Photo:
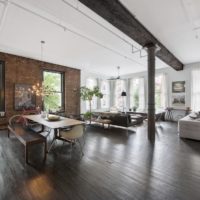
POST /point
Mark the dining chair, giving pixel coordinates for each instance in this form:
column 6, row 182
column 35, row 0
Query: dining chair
column 36, row 127
column 73, row 135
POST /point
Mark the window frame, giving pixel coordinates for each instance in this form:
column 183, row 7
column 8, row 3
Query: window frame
column 2, row 85
column 62, row 92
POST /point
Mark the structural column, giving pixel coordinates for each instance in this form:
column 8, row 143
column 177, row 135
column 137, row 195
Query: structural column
column 151, row 48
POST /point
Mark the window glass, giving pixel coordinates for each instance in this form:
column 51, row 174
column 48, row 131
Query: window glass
column 53, row 80
column 2, row 86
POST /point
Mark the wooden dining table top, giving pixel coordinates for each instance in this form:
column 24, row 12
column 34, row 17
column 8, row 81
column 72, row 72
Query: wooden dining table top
column 62, row 122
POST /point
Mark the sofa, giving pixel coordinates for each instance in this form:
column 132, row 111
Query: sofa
column 119, row 119
column 189, row 128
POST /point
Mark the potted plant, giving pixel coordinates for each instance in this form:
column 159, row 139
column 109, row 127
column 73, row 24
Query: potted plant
column 87, row 94
column 134, row 108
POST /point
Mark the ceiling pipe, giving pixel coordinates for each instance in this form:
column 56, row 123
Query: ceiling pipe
column 65, row 28
column 134, row 49
column 100, row 24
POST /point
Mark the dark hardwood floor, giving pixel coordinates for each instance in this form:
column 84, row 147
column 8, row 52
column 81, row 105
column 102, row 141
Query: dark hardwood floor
column 116, row 165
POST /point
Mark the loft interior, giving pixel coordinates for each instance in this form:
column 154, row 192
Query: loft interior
column 99, row 99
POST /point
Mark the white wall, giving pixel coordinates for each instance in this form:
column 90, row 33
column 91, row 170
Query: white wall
column 171, row 76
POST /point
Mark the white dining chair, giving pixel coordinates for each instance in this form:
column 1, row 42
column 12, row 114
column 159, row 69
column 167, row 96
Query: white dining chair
column 73, row 135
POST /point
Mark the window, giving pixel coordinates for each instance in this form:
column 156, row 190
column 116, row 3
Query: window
column 137, row 98
column 119, row 87
column 105, row 90
column 54, row 80
column 2, row 86
column 160, row 91
column 196, row 90
column 91, row 83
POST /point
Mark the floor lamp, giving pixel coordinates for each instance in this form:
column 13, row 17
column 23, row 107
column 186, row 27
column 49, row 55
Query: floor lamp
column 123, row 94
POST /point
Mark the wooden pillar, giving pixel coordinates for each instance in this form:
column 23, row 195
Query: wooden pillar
column 151, row 48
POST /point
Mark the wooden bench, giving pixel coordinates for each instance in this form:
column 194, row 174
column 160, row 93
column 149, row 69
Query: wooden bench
column 26, row 137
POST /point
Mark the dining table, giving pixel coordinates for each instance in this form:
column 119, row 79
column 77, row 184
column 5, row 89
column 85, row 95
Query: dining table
column 61, row 122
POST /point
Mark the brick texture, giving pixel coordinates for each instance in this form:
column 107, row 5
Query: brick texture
column 29, row 71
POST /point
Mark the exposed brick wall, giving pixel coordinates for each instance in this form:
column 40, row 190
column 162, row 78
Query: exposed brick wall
column 24, row 70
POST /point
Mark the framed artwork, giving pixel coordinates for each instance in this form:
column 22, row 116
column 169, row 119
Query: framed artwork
column 178, row 87
column 178, row 99
column 24, row 99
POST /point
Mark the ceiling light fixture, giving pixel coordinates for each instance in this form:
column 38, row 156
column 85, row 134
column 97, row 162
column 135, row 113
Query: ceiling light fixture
column 42, row 42
column 100, row 24
column 41, row 89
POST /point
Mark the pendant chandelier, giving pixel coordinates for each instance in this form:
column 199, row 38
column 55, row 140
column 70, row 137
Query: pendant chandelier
column 41, row 89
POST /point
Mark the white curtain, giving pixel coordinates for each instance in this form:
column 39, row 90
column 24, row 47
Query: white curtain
column 137, row 97
column 105, row 89
column 120, row 85
column 141, row 94
column 160, row 91
column 196, row 90
column 163, row 91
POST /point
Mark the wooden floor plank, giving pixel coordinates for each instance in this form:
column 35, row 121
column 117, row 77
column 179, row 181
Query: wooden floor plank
column 117, row 165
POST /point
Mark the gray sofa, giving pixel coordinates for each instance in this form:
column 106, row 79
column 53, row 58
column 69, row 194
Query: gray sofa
column 120, row 119
column 189, row 128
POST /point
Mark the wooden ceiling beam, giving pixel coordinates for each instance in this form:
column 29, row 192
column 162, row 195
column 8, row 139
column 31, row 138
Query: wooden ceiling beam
column 116, row 14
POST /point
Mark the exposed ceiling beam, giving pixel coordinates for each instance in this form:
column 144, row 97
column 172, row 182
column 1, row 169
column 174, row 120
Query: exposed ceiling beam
column 116, row 14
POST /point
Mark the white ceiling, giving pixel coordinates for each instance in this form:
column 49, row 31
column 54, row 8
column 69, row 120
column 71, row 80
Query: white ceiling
column 81, row 39
column 176, row 23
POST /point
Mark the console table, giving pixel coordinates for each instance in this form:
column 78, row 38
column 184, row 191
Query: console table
column 169, row 113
